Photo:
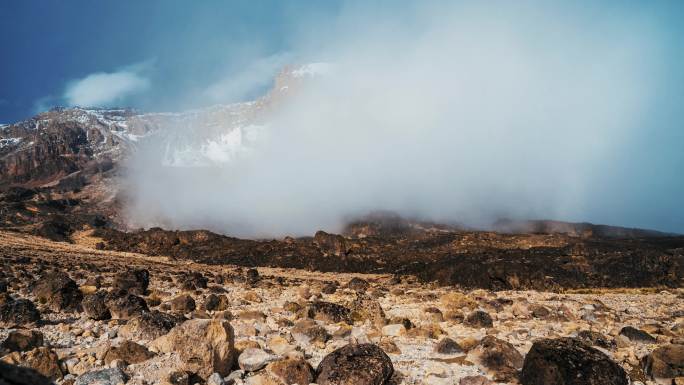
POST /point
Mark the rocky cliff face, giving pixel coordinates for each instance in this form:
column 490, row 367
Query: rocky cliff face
column 62, row 142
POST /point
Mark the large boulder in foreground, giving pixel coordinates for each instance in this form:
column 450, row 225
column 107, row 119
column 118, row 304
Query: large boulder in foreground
column 362, row 364
column 569, row 361
column 204, row 346
column 59, row 291
column 18, row 375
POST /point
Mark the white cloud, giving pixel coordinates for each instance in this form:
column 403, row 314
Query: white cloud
column 106, row 88
column 241, row 85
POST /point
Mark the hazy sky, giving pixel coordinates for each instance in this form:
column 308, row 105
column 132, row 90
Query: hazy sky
column 623, row 59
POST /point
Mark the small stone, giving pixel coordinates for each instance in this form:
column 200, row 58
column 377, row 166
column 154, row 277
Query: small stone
column 184, row 303
column 479, row 319
column 215, row 379
column 475, row 380
column 129, row 352
column 306, row 331
column 448, row 346
column 291, row 371
column 253, row 359
column 111, row 376
column 394, row 330
column 358, row 284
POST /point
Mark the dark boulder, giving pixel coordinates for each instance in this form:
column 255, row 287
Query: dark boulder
column 569, row 361
column 358, row 284
column 363, row 364
column 95, row 306
column 22, row 340
column 499, row 356
column 125, row 306
column 329, row 312
column 128, row 352
column 637, row 335
column 665, row 363
column 252, row 276
column 194, row 281
column 331, row 244
column 18, row 375
column 133, row 282
column 448, row 346
column 19, row 312
column 596, row 339
column 149, row 325
column 479, row 319
column 59, row 291
column 183, row 303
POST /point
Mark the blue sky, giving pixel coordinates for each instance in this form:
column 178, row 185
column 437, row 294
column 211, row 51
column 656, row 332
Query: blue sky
column 174, row 55
column 180, row 46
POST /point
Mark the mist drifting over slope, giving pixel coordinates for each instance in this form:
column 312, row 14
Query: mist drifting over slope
column 455, row 114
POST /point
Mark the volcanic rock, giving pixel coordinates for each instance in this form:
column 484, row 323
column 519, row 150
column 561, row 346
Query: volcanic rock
column 21, row 340
column 291, row 371
column 95, row 306
column 184, row 303
column 17, row 375
column 149, row 325
column 329, row 312
column 128, row 352
column 498, row 356
column 569, row 361
column 111, row 376
column 479, row 319
column 18, row 312
column 358, row 284
column 133, row 282
column 448, row 346
column 59, row 291
column 204, row 346
column 637, row 335
column 125, row 306
column 363, row 364
column 665, row 363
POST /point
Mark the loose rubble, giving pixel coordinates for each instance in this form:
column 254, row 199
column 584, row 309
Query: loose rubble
column 123, row 318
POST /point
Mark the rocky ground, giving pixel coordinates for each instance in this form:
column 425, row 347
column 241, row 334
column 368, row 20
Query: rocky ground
column 75, row 314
